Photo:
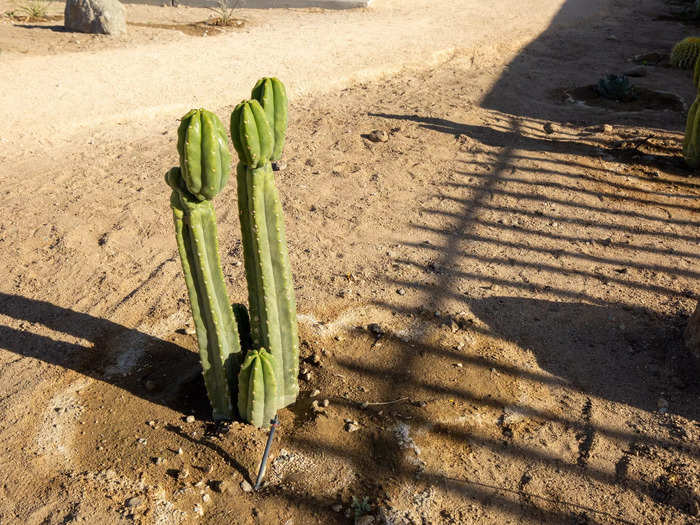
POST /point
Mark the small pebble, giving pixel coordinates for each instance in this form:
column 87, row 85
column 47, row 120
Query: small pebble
column 315, row 359
column 142, row 441
column 190, row 331
column 179, row 451
column 351, row 426
column 246, row 487
column 325, row 403
column 151, row 424
column 206, row 498
column 607, row 128
column 306, row 376
column 189, row 419
column 375, row 329
column 182, row 474
column 134, row 502
column 279, row 165
column 548, row 128
column 378, row 135
column 198, row 510
column 458, row 365
column 315, row 393
column 401, row 291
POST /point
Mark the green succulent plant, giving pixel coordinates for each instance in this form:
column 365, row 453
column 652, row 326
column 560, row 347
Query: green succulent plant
column 616, row 87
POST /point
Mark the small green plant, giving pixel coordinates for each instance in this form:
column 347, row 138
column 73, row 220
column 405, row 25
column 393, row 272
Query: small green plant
column 30, row 10
column 685, row 52
column 616, row 87
column 224, row 10
column 360, row 507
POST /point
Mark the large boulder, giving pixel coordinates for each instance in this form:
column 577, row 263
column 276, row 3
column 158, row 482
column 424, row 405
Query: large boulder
column 107, row 17
column 692, row 334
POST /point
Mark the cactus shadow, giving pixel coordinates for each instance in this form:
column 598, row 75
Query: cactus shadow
column 148, row 367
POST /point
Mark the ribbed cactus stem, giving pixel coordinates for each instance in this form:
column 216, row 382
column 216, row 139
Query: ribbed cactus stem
column 691, row 140
column 257, row 388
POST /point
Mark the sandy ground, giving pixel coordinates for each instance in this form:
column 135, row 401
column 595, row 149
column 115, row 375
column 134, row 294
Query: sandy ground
column 492, row 299
column 139, row 90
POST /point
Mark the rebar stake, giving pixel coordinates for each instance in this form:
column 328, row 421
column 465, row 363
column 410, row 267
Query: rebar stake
column 273, row 425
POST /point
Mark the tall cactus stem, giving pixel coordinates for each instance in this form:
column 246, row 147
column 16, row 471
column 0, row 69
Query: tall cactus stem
column 217, row 334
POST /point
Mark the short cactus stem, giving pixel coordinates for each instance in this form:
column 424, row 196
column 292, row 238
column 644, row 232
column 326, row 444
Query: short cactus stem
column 257, row 388
column 272, row 96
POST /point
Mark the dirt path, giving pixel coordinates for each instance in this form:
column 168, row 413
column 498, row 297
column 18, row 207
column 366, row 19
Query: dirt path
column 491, row 301
column 129, row 92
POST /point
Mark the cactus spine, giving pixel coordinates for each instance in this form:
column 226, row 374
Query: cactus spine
column 270, row 287
column 204, row 170
column 685, row 52
column 258, row 388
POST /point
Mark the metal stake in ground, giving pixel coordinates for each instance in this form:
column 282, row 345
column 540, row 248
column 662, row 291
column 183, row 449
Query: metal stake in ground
column 273, row 425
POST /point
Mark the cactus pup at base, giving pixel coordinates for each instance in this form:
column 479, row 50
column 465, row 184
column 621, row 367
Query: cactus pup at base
column 257, row 388
column 205, row 167
column 270, row 287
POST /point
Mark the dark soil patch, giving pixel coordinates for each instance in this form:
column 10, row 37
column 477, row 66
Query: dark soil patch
column 213, row 26
column 644, row 99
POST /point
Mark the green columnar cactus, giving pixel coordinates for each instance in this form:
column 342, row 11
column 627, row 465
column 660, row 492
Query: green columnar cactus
column 257, row 388
column 270, row 287
column 685, row 52
column 691, row 141
column 205, row 167
column 696, row 73
column 272, row 95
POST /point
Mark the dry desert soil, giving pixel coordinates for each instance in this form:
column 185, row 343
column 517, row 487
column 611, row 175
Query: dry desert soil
column 491, row 300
